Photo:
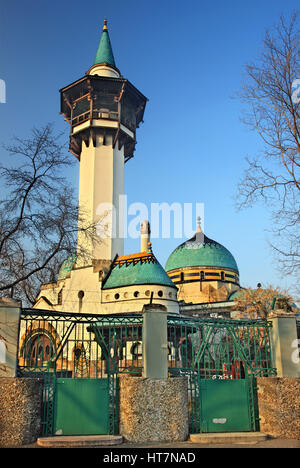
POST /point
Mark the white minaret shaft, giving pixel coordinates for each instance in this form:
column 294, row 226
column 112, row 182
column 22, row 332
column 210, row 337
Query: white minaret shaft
column 103, row 110
column 101, row 182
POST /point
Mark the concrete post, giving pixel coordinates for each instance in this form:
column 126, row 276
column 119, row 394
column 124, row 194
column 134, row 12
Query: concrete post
column 284, row 344
column 155, row 342
column 9, row 334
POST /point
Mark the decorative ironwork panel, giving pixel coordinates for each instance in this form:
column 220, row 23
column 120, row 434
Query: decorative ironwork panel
column 79, row 346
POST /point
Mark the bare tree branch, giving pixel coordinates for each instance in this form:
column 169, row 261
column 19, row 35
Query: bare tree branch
column 39, row 217
column 272, row 111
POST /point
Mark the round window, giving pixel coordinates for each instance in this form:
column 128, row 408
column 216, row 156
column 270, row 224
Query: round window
column 80, row 294
column 160, row 294
column 117, row 295
column 136, row 294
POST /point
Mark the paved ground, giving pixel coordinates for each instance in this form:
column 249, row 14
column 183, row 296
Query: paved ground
column 269, row 443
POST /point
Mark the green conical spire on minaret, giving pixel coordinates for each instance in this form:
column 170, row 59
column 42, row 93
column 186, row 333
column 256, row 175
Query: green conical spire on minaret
column 104, row 52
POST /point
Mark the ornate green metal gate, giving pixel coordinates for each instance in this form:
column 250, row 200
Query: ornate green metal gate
column 79, row 357
column 221, row 359
column 83, row 354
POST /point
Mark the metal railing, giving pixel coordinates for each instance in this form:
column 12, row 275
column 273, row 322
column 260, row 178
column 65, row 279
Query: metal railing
column 55, row 345
column 218, row 349
column 90, row 346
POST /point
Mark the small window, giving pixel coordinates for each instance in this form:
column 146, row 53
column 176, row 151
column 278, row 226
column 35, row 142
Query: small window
column 181, row 276
column 222, row 276
column 117, row 296
column 202, row 275
column 147, row 293
column 59, row 297
column 136, row 294
column 81, row 295
column 160, row 294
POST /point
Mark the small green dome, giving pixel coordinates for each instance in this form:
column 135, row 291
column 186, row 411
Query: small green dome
column 234, row 295
column 201, row 251
column 133, row 270
column 66, row 267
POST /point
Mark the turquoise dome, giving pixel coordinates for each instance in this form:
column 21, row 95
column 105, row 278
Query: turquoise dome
column 201, row 251
column 66, row 267
column 143, row 270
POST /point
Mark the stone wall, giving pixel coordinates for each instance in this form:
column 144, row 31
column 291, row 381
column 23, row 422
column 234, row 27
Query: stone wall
column 20, row 410
column 279, row 406
column 153, row 410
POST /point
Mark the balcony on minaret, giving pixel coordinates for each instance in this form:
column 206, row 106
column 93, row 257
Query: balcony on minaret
column 107, row 105
column 103, row 104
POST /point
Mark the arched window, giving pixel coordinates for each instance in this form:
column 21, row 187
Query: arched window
column 202, row 275
column 181, row 276
column 222, row 276
column 39, row 349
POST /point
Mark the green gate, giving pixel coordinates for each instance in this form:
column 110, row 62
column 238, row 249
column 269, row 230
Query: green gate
column 79, row 358
column 224, row 406
column 221, row 359
column 81, row 406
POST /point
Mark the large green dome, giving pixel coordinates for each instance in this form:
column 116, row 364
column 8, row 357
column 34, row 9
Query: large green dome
column 201, row 251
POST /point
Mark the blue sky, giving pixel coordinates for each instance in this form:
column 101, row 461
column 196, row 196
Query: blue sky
column 188, row 58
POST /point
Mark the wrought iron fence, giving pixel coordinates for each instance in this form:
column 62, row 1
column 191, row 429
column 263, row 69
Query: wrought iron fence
column 218, row 349
column 213, row 348
column 55, row 344
column 79, row 346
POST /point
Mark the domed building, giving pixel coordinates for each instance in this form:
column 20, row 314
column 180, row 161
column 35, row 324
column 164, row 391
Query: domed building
column 105, row 110
column 203, row 270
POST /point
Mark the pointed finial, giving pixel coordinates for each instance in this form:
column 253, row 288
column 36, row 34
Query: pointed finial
column 105, row 25
column 199, row 224
column 149, row 247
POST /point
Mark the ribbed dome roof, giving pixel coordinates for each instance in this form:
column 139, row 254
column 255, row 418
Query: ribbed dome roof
column 200, row 250
column 140, row 268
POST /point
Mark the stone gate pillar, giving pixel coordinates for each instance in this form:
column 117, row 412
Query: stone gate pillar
column 9, row 331
column 284, row 344
column 155, row 342
column 154, row 407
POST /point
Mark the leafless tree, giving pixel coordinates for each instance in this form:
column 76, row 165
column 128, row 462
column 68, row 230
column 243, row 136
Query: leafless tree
column 38, row 216
column 271, row 92
column 259, row 303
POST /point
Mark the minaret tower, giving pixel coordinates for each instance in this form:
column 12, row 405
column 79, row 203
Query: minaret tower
column 103, row 110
